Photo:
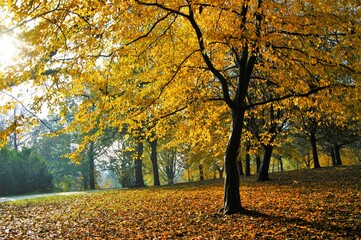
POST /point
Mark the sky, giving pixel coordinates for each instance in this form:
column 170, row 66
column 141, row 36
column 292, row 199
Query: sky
column 23, row 92
column 7, row 51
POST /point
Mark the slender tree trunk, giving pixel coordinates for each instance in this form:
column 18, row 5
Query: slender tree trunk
column 333, row 157
column 263, row 172
column 201, row 173
column 139, row 182
column 15, row 140
column 91, row 156
column 232, row 200
column 281, row 163
column 248, row 160
column 308, row 161
column 336, row 148
column 154, row 159
column 316, row 162
column 189, row 174
column 220, row 172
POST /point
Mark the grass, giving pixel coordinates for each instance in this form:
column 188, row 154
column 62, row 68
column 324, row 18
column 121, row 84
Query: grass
column 307, row 204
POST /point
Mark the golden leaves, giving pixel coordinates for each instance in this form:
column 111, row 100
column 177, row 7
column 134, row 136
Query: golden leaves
column 130, row 63
column 297, row 204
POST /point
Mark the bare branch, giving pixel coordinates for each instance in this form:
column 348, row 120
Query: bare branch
column 29, row 111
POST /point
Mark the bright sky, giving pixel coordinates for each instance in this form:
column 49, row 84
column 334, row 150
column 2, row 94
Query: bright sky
column 7, row 51
column 23, row 92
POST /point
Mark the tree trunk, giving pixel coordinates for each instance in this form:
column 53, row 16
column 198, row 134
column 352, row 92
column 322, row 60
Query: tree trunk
column 336, row 148
column 316, row 162
column 240, row 168
column 91, row 156
column 333, row 157
column 189, row 174
column 232, row 200
column 139, row 182
column 220, row 172
column 281, row 163
column 248, row 160
column 263, row 172
column 85, row 180
column 308, row 161
column 201, row 173
column 258, row 163
column 153, row 157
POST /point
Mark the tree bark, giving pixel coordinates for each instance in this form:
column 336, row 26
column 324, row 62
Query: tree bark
column 336, row 148
column 316, row 162
column 232, row 200
column 154, row 159
column 248, row 160
column 139, row 182
column 258, row 163
column 263, row 172
column 91, row 156
column 240, row 168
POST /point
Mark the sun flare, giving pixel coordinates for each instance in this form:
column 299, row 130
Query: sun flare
column 7, row 50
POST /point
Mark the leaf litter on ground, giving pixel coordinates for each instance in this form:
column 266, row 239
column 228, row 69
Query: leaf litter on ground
column 309, row 204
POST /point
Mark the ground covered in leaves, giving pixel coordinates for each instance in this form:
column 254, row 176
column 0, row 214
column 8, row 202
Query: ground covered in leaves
column 306, row 204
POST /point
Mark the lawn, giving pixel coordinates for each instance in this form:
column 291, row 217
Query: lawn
column 307, row 204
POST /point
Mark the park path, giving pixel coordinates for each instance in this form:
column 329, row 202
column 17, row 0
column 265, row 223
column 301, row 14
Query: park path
column 23, row 197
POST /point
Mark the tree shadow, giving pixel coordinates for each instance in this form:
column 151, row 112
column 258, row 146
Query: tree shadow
column 345, row 231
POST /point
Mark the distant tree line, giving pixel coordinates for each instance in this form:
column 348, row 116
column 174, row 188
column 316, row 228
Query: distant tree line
column 23, row 172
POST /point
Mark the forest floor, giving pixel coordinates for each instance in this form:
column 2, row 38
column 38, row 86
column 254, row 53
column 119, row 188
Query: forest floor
column 306, row 204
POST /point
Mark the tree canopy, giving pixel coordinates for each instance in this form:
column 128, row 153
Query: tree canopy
column 161, row 65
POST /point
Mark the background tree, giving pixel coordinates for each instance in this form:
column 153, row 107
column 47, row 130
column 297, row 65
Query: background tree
column 23, row 172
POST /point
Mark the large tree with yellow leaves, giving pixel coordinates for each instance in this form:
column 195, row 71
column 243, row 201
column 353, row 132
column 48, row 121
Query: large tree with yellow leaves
column 142, row 61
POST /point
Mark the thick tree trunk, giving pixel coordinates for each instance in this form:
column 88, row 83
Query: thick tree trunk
column 154, row 159
column 263, row 172
column 316, row 162
column 232, row 200
column 248, row 160
column 258, row 163
column 139, row 182
column 91, row 156
column 240, row 168
column 85, row 180
column 336, row 148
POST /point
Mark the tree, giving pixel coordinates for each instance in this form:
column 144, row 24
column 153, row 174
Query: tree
column 113, row 49
column 170, row 165
column 23, row 172
column 153, row 157
column 120, row 161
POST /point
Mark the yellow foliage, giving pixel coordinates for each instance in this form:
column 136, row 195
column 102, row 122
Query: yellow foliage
column 152, row 64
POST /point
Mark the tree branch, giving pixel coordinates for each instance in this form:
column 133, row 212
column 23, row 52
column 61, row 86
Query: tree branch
column 30, row 112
